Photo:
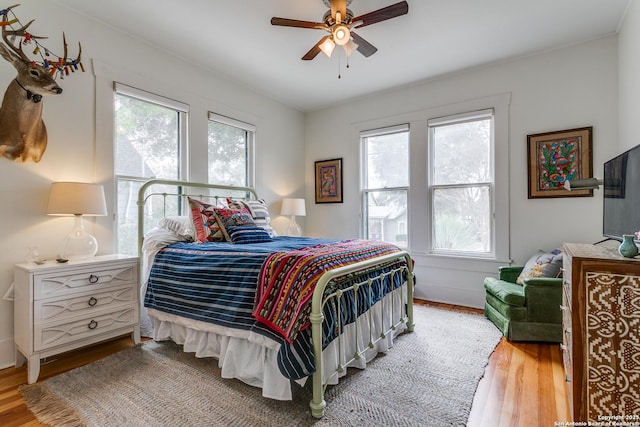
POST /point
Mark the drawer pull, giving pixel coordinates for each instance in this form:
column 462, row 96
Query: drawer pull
column 92, row 301
column 93, row 324
column 563, row 347
column 567, row 378
column 93, row 278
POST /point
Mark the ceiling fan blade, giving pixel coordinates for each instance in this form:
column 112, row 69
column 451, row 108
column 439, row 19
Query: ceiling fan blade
column 285, row 22
column 315, row 50
column 339, row 6
column 380, row 15
column 364, row 47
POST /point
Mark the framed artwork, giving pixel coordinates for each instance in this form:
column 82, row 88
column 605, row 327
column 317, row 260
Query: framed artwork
column 555, row 157
column 329, row 181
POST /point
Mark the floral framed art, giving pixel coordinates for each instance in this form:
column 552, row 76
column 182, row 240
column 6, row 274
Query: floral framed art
column 555, row 157
column 329, row 181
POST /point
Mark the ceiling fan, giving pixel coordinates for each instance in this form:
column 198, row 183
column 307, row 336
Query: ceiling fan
column 339, row 22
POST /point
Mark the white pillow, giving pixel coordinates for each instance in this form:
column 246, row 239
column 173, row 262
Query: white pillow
column 158, row 238
column 182, row 226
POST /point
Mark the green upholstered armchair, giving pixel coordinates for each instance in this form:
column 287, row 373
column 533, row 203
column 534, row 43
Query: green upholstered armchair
column 527, row 312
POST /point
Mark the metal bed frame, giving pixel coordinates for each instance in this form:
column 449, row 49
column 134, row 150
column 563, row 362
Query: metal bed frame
column 358, row 273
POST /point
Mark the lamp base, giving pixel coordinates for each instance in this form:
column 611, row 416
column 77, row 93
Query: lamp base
column 294, row 229
column 78, row 244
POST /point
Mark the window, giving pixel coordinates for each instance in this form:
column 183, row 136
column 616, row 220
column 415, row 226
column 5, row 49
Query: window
column 150, row 141
column 386, row 183
column 230, row 150
column 461, row 183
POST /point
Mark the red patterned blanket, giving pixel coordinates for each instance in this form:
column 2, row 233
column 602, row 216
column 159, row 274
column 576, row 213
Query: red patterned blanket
column 287, row 280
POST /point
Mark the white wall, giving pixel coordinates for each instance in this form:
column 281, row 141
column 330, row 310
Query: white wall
column 79, row 150
column 562, row 89
column 629, row 78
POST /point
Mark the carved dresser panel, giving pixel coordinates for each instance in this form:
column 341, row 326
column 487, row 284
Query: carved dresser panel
column 601, row 322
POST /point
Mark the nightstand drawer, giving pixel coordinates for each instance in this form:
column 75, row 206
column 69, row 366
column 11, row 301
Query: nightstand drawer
column 56, row 309
column 82, row 280
column 80, row 328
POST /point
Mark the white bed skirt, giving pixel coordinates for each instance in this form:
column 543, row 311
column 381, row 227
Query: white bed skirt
column 252, row 358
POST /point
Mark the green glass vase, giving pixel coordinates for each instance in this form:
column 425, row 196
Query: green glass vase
column 628, row 248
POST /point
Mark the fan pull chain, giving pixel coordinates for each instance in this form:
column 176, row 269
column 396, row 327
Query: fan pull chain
column 340, row 64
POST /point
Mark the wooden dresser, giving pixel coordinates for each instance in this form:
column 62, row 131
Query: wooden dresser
column 601, row 323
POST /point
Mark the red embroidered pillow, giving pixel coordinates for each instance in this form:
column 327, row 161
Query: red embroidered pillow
column 204, row 221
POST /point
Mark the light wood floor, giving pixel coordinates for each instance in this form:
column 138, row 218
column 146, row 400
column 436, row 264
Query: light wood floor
column 523, row 384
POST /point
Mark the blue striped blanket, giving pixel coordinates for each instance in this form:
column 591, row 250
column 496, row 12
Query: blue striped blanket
column 217, row 282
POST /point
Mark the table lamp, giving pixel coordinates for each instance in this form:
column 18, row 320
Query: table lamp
column 293, row 208
column 78, row 199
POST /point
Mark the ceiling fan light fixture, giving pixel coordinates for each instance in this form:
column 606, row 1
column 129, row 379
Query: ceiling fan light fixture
column 341, row 35
column 327, row 47
column 338, row 22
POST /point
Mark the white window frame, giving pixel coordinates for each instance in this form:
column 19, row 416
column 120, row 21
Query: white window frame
column 460, row 118
column 387, row 130
column 251, row 131
column 183, row 129
column 183, row 123
column 418, row 180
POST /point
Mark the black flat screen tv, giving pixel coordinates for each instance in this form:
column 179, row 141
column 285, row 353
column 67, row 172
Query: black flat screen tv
column 621, row 207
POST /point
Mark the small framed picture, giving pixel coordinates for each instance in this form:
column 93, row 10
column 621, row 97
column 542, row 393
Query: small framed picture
column 329, row 181
column 556, row 157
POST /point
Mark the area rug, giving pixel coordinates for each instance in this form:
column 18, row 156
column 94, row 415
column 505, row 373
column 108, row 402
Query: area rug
column 429, row 378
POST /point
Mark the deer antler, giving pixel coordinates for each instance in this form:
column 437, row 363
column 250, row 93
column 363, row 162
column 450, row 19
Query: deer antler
column 19, row 32
column 73, row 62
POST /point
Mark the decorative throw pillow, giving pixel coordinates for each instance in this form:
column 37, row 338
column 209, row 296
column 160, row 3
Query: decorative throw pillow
column 259, row 212
column 182, row 226
column 228, row 217
column 542, row 264
column 248, row 234
column 204, row 221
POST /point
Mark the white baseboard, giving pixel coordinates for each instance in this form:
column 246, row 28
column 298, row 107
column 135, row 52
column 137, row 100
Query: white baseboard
column 450, row 295
column 7, row 353
column 458, row 286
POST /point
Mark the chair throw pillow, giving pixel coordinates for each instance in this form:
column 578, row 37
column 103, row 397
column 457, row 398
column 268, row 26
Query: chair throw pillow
column 542, row 264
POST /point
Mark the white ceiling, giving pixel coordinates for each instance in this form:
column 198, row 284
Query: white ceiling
column 235, row 38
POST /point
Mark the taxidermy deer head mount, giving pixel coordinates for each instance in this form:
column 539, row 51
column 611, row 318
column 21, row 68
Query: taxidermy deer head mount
column 23, row 135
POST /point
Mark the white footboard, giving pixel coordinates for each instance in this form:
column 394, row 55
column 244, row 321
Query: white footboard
column 320, row 297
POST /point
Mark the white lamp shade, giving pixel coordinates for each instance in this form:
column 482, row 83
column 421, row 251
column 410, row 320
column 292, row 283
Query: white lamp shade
column 350, row 47
column 327, row 47
column 293, row 207
column 76, row 198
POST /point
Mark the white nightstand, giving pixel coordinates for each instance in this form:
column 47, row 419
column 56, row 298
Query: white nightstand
column 61, row 307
